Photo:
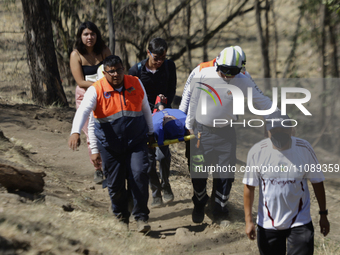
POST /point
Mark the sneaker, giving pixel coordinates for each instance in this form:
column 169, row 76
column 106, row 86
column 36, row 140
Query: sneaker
column 156, row 202
column 98, row 177
column 124, row 223
column 198, row 214
column 168, row 196
column 143, row 226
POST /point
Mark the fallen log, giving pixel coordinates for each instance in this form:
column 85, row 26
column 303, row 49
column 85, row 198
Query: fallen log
column 13, row 179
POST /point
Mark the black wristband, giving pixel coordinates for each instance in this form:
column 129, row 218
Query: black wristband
column 323, row 212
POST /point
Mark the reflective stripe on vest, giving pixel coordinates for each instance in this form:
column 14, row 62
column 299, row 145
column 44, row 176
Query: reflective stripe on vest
column 119, row 115
column 112, row 105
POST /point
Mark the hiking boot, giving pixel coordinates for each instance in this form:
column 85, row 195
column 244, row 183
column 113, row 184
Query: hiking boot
column 143, row 226
column 168, row 196
column 156, row 202
column 198, row 214
column 222, row 218
column 98, row 177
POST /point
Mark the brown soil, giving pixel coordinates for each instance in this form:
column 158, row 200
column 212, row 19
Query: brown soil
column 71, row 216
column 38, row 142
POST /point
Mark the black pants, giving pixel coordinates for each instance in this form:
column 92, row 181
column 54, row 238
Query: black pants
column 300, row 240
column 218, row 145
column 163, row 156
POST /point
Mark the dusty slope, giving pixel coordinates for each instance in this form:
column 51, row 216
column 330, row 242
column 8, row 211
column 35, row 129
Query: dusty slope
column 69, row 177
column 43, row 226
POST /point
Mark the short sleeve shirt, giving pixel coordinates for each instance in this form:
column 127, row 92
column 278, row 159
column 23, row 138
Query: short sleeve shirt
column 284, row 200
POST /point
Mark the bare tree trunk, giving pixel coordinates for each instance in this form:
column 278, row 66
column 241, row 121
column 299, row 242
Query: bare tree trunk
column 264, row 46
column 112, row 39
column 292, row 51
column 276, row 38
column 46, row 84
column 188, row 23
column 266, row 16
column 124, row 55
column 323, row 11
column 205, row 29
column 335, row 73
column 333, row 42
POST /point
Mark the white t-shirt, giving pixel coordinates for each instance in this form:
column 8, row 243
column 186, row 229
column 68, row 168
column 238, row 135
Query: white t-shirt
column 284, row 200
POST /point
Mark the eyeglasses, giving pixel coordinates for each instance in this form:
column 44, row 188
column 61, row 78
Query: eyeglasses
column 228, row 70
column 113, row 71
column 163, row 58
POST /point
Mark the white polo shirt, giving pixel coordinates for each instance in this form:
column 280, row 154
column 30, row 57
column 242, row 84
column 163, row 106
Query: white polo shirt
column 284, row 200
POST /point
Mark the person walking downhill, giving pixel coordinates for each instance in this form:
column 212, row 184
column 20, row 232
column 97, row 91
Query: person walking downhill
column 278, row 165
column 118, row 130
column 158, row 75
column 216, row 143
column 88, row 55
column 186, row 95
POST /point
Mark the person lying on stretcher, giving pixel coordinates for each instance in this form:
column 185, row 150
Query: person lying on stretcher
column 168, row 123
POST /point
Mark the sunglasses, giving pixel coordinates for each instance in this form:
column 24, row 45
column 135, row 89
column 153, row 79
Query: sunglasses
column 163, row 58
column 228, row 70
column 113, row 71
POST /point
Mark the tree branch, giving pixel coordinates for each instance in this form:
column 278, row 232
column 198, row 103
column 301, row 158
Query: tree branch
column 211, row 34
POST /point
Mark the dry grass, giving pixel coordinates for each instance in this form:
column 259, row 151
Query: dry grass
column 326, row 246
column 49, row 230
column 20, row 143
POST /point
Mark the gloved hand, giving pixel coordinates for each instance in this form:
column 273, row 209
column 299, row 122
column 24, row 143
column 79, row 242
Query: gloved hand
column 151, row 140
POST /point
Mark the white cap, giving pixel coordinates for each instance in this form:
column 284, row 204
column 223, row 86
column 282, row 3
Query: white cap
column 242, row 54
column 229, row 57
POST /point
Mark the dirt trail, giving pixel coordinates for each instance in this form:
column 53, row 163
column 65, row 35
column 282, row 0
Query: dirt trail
column 38, row 142
column 44, row 133
column 69, row 177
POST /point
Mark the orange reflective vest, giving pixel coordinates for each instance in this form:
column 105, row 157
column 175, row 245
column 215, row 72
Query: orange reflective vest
column 119, row 120
column 207, row 64
column 110, row 102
